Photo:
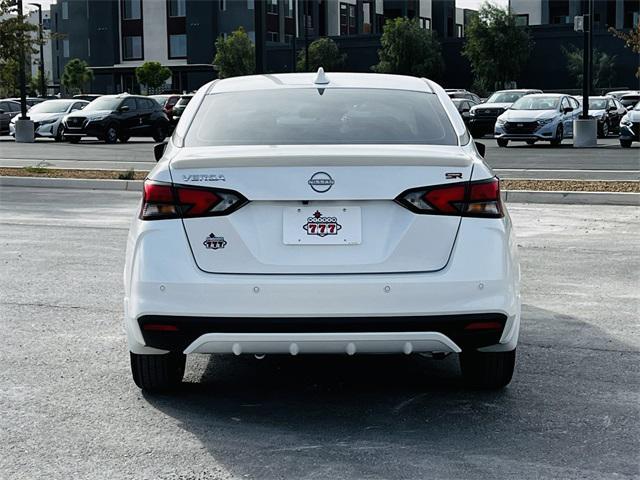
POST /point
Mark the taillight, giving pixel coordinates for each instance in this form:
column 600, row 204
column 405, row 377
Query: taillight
column 468, row 199
column 162, row 200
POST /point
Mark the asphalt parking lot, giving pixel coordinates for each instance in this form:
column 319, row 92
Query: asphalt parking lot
column 607, row 162
column 70, row 409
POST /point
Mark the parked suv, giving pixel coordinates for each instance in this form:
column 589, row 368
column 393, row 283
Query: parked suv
column 482, row 118
column 117, row 117
column 608, row 111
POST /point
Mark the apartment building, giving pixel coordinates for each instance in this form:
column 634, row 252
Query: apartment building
column 116, row 36
column 606, row 13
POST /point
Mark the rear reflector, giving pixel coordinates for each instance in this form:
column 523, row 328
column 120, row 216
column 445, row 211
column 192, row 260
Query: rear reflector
column 468, row 199
column 156, row 327
column 484, row 326
column 162, row 200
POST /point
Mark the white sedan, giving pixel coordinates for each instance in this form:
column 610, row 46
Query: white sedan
column 47, row 117
column 321, row 214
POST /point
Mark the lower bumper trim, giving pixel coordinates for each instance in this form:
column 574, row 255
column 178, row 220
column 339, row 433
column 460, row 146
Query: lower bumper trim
column 319, row 343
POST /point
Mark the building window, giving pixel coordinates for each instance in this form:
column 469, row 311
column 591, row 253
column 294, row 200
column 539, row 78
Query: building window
column 273, row 37
column 522, row 20
column 88, row 47
column 132, row 9
column 132, row 48
column 288, row 38
column 458, row 30
column 348, row 24
column 425, row 23
column 288, row 8
column 177, row 8
column 65, row 48
column 367, row 17
column 250, row 4
column 65, row 10
column 272, row 6
column 178, row 46
column 222, row 5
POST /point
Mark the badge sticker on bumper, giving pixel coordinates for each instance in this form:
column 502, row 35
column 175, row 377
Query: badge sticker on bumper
column 214, row 243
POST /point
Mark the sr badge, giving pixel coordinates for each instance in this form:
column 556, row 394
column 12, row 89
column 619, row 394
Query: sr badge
column 321, row 226
column 214, row 243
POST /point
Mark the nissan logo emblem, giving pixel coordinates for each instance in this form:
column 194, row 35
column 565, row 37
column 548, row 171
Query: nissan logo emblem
column 321, row 182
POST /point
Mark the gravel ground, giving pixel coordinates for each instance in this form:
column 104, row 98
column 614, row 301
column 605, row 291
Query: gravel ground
column 508, row 184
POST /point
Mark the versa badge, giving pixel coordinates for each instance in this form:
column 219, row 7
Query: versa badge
column 321, row 226
column 214, row 243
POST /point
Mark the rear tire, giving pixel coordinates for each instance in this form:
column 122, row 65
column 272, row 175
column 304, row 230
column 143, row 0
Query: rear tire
column 158, row 373
column 625, row 143
column 159, row 133
column 502, row 142
column 559, row 136
column 604, row 130
column 110, row 134
column 123, row 138
column 487, row 370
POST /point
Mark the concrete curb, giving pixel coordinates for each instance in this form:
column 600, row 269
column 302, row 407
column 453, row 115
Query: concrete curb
column 510, row 196
column 78, row 183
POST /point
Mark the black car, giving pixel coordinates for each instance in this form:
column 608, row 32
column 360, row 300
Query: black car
column 608, row 111
column 464, row 106
column 8, row 109
column 179, row 107
column 118, row 117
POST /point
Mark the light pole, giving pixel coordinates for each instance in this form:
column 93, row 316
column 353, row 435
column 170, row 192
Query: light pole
column 40, row 38
column 24, row 126
column 585, row 129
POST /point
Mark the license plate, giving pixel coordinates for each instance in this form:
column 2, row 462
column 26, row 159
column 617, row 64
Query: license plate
column 322, row 226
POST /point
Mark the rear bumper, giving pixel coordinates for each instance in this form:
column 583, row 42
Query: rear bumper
column 163, row 284
column 307, row 334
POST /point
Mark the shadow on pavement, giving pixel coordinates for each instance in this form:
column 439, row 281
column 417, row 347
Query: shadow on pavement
column 404, row 417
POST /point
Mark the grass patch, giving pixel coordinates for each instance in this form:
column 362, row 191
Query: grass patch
column 128, row 175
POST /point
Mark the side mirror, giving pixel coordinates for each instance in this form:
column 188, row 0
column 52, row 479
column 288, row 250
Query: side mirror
column 567, row 109
column 158, row 150
column 481, row 147
column 1, row 111
column 465, row 110
column 123, row 108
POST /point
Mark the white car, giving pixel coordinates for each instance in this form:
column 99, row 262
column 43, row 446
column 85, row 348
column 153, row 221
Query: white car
column 47, row 117
column 306, row 214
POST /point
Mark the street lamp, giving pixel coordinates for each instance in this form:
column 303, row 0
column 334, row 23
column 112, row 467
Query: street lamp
column 40, row 38
column 24, row 126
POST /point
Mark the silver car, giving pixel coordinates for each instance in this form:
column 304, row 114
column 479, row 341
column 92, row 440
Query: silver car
column 543, row 116
column 47, row 117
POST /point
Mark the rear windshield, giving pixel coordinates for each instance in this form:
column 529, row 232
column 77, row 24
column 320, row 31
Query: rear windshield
column 310, row 116
column 629, row 100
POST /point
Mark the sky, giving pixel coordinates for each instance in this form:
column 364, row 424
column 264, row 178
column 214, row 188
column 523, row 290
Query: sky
column 474, row 4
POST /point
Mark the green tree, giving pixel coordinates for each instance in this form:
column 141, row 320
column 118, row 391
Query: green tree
column 76, row 75
column 408, row 49
column 235, row 55
column 152, row 74
column 15, row 39
column 324, row 53
column 34, row 83
column 496, row 47
column 604, row 67
column 631, row 40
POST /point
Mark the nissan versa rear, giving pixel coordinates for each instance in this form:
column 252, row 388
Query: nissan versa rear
column 321, row 213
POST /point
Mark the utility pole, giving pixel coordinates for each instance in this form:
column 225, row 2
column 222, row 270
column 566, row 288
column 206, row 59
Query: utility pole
column 21, row 76
column 43, row 87
column 587, row 59
column 306, row 35
column 259, row 21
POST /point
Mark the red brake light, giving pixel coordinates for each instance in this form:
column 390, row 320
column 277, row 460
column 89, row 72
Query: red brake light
column 469, row 199
column 162, row 201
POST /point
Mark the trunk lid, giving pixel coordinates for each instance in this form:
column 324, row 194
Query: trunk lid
column 321, row 209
